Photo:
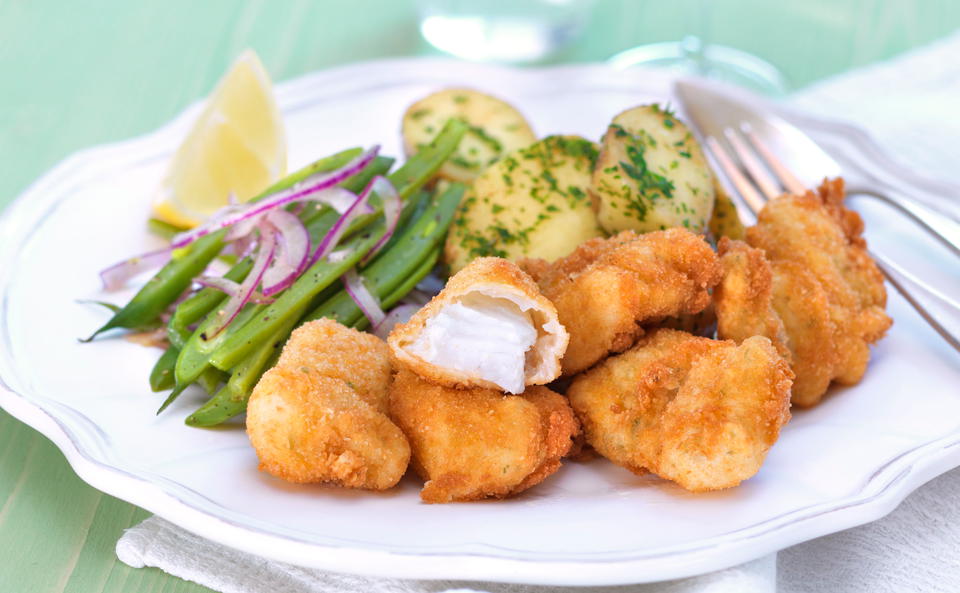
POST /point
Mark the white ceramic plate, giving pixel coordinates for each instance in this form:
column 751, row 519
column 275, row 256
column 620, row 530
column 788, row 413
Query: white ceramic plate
column 847, row 462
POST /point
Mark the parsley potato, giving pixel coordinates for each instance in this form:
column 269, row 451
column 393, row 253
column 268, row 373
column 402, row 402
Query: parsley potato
column 725, row 220
column 531, row 203
column 496, row 128
column 651, row 174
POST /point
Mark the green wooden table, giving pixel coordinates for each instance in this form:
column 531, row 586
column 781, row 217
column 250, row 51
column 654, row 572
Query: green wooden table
column 75, row 74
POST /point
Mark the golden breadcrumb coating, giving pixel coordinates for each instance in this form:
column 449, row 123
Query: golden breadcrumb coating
column 320, row 415
column 333, row 350
column 802, row 304
column 820, row 281
column 702, row 413
column 744, row 297
column 500, row 279
column 478, row 443
column 606, row 288
column 309, row 428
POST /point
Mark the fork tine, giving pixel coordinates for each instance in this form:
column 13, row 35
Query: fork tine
column 746, row 190
column 757, row 171
column 894, row 274
column 786, row 176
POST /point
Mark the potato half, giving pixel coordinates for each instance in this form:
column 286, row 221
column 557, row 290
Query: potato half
column 496, row 128
column 651, row 174
column 531, row 203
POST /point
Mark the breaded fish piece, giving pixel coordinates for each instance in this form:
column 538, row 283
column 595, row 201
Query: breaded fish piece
column 478, row 443
column 606, row 288
column 333, row 350
column 489, row 327
column 309, row 428
column 817, row 232
column 744, row 297
column 702, row 413
column 803, row 306
column 320, row 415
column 820, row 284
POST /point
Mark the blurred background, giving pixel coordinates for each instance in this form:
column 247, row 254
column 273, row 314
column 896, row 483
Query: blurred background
column 124, row 68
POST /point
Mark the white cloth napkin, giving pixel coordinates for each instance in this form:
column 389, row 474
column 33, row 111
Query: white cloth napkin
column 156, row 542
column 912, row 106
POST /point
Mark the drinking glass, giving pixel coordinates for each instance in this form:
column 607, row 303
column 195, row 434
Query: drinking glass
column 696, row 55
column 512, row 31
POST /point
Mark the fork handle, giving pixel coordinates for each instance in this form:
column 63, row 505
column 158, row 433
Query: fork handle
column 945, row 229
column 920, row 296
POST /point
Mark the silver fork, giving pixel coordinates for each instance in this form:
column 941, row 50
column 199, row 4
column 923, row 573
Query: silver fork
column 758, row 175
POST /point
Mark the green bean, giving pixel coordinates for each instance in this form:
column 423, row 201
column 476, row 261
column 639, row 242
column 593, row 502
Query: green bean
column 170, row 282
column 161, row 377
column 291, row 304
column 163, row 229
column 389, row 271
column 390, row 277
column 318, row 223
column 426, row 266
column 294, row 302
column 211, row 378
column 232, row 397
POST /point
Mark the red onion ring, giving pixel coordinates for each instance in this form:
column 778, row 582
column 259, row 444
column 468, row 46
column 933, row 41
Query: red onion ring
column 232, row 214
column 360, row 206
column 392, row 205
column 116, row 276
column 249, row 285
column 293, row 251
column 396, row 316
column 367, row 302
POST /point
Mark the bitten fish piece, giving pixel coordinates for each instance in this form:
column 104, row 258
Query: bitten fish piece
column 607, row 288
column 702, row 413
column 489, row 327
column 471, row 444
column 320, row 415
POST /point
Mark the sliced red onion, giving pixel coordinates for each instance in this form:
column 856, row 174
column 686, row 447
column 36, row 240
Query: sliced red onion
column 292, row 253
column 339, row 255
column 249, row 285
column 396, row 316
column 243, row 228
column 360, row 206
column 222, row 284
column 367, row 302
column 338, row 198
column 232, row 214
column 231, row 288
column 392, row 205
column 116, row 276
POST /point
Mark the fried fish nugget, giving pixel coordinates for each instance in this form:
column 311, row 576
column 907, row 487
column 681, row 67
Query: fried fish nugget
column 702, row 413
column 334, row 350
column 744, row 297
column 606, row 288
column 819, row 234
column 489, row 327
column 801, row 303
column 478, row 443
column 308, row 428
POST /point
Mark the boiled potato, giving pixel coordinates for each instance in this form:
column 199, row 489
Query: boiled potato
column 532, row 203
column 496, row 128
column 651, row 174
column 725, row 220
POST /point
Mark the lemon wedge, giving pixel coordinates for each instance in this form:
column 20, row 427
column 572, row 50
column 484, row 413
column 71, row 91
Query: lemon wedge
column 237, row 146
